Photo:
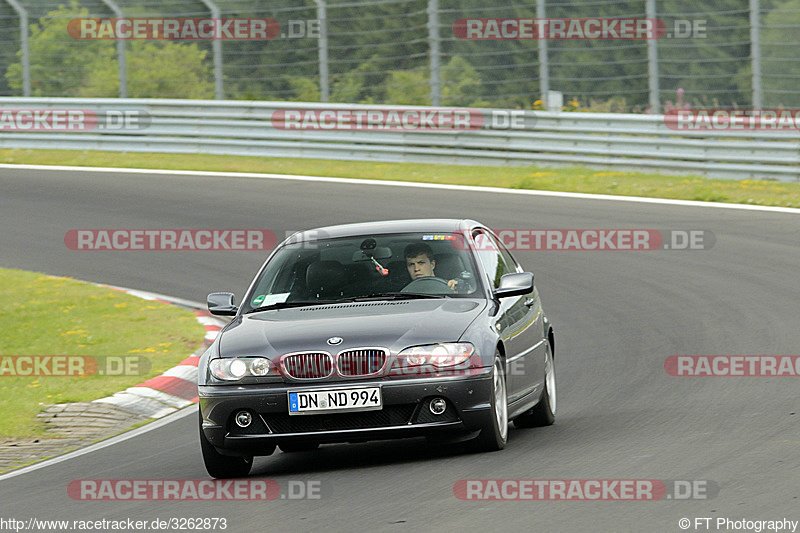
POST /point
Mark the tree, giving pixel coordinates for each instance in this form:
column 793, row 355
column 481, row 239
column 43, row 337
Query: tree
column 358, row 85
column 63, row 66
column 461, row 84
column 59, row 64
column 305, row 89
column 404, row 87
column 780, row 69
column 159, row 69
column 9, row 46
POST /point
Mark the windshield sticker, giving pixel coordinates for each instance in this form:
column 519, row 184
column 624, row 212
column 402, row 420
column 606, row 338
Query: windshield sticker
column 438, row 237
column 275, row 299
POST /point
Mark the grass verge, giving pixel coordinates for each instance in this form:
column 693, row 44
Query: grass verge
column 47, row 315
column 574, row 179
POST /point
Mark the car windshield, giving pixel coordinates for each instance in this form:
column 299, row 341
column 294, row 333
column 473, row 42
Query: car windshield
column 406, row 265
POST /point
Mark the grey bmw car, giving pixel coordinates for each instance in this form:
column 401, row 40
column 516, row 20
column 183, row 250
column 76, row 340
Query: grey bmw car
column 372, row 331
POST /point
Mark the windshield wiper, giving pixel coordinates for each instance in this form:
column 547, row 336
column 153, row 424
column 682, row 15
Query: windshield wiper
column 287, row 305
column 366, row 298
column 392, row 296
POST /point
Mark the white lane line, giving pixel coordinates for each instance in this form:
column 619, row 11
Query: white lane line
column 188, row 411
column 390, row 183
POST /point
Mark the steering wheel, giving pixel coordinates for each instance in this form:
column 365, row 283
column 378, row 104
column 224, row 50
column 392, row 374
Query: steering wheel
column 428, row 285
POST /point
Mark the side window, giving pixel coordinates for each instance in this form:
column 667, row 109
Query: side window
column 491, row 256
column 510, row 261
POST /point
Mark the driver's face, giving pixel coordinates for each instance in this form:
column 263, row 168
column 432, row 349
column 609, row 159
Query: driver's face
column 420, row 266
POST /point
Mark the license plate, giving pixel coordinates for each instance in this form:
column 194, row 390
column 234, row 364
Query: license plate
column 325, row 401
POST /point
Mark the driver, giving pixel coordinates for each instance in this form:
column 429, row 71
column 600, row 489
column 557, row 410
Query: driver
column 420, row 263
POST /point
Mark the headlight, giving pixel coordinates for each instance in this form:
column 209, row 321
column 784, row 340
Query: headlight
column 235, row 368
column 441, row 355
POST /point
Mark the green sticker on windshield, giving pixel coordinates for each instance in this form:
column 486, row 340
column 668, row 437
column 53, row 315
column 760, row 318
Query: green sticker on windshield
column 258, row 299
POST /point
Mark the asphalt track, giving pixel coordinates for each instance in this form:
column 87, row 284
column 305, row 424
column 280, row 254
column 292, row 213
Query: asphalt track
column 618, row 316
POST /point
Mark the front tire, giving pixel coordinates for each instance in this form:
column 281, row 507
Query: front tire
column 222, row 466
column 494, row 434
column 544, row 412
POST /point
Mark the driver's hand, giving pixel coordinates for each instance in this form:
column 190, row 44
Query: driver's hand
column 452, row 284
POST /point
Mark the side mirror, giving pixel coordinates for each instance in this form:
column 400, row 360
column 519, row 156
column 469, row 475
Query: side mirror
column 221, row 304
column 514, row 285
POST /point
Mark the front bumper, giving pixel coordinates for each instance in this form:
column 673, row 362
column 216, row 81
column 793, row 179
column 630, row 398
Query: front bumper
column 404, row 413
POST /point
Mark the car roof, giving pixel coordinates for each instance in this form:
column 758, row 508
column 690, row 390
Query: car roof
column 423, row 225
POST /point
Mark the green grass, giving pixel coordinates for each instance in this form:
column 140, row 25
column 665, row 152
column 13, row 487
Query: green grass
column 47, row 315
column 573, row 179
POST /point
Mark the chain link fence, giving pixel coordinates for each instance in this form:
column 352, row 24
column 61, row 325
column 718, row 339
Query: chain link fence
column 712, row 54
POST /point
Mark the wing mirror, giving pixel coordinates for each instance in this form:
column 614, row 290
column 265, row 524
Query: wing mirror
column 221, row 304
column 514, row 285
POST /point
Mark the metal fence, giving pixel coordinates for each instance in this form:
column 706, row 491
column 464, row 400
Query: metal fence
column 597, row 140
column 716, row 53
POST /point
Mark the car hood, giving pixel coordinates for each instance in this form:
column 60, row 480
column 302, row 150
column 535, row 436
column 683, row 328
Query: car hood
column 390, row 324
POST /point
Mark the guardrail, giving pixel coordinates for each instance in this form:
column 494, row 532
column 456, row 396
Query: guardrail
column 597, row 140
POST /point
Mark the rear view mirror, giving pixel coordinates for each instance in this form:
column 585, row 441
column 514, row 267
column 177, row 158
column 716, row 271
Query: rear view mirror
column 381, row 252
column 221, row 304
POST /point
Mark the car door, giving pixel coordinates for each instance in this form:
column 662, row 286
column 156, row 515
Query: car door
column 531, row 371
column 519, row 320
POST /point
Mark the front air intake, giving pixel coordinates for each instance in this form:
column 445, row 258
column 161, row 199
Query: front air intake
column 310, row 365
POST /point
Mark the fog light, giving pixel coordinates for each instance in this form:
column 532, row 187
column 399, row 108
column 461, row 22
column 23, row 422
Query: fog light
column 243, row 419
column 437, row 406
